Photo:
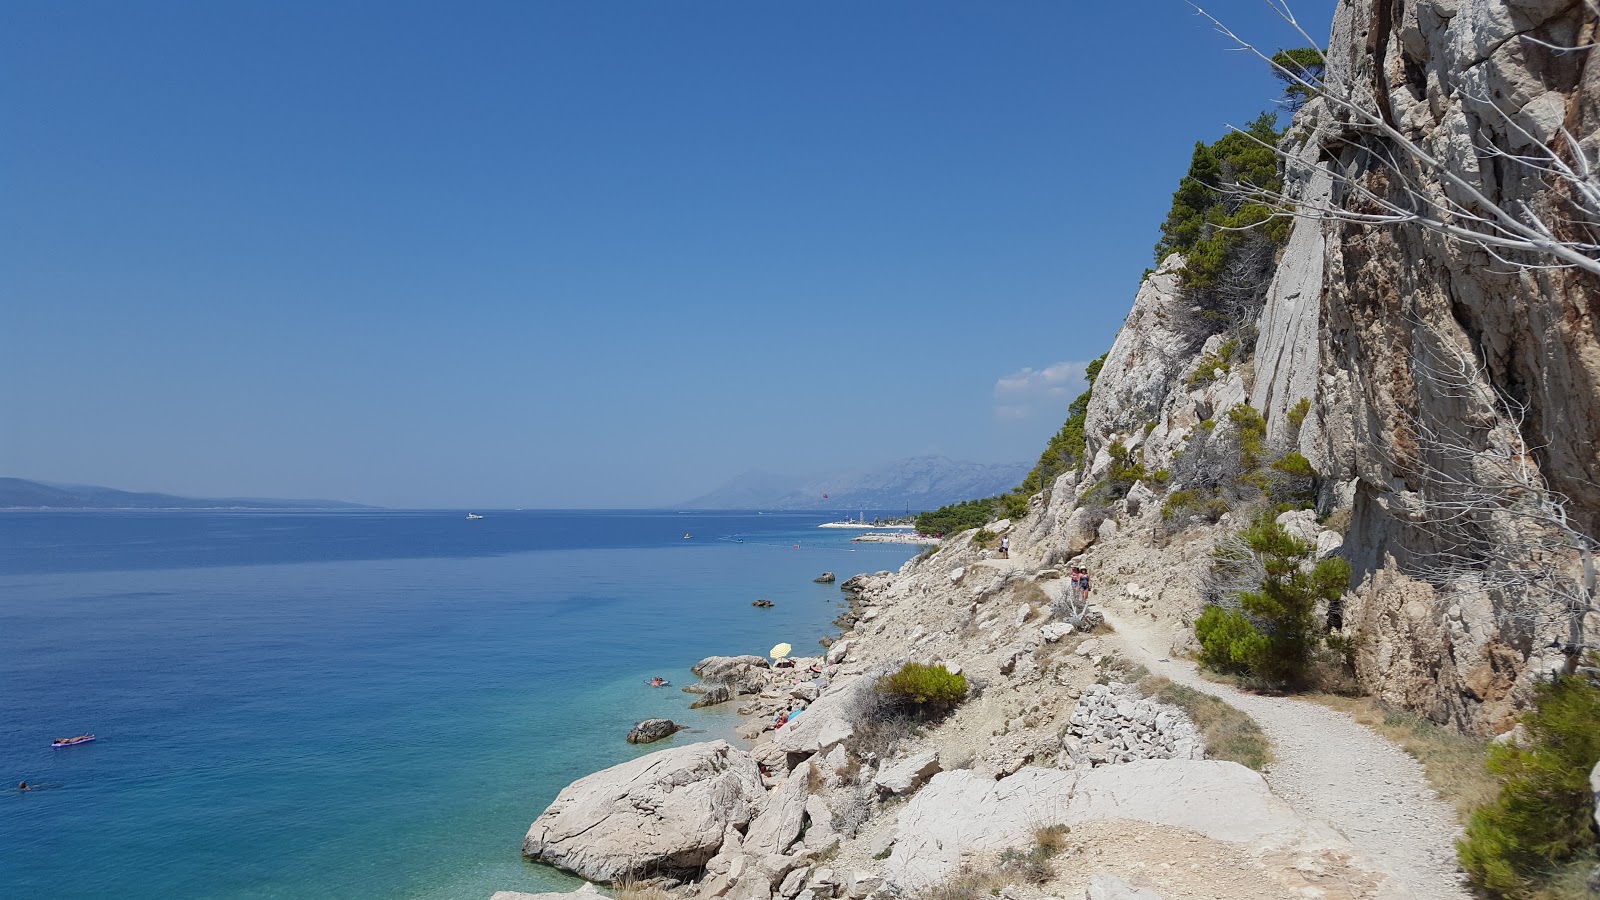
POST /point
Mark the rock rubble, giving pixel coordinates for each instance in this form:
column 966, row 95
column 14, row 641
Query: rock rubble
column 1112, row 723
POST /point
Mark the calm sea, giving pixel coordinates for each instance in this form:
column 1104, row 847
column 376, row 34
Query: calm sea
column 357, row 704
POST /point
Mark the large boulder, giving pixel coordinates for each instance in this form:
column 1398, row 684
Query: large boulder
column 651, row 730
column 962, row 811
column 661, row 814
column 828, row 722
column 780, row 824
column 745, row 674
column 908, row 774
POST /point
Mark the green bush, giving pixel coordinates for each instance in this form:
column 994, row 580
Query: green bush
column 1297, row 414
column 1229, row 641
column 1014, row 505
column 1252, row 431
column 1207, row 215
column 958, row 517
column 1283, row 633
column 1543, row 816
column 1202, row 504
column 928, row 688
column 1294, row 463
column 1220, row 359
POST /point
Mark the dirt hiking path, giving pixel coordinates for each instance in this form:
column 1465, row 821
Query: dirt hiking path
column 1331, row 768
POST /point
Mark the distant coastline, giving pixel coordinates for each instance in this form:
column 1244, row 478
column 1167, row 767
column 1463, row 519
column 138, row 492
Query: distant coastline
column 20, row 495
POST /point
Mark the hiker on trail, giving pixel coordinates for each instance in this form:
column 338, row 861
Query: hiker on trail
column 1005, row 548
column 1083, row 584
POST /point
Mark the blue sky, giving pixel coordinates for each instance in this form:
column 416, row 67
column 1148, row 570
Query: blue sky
column 575, row 254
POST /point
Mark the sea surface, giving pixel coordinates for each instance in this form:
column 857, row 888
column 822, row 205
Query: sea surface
column 358, row 704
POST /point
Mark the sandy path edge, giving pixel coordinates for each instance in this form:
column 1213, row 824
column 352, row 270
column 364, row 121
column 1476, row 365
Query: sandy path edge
column 1331, row 768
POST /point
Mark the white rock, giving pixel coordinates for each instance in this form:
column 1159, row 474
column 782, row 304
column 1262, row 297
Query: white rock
column 957, row 572
column 908, row 774
column 961, row 811
column 664, row 810
column 1089, row 648
column 585, row 891
column 1055, row 631
column 1110, row 887
column 837, row 652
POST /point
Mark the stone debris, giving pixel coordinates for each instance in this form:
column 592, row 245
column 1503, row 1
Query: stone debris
column 1113, row 724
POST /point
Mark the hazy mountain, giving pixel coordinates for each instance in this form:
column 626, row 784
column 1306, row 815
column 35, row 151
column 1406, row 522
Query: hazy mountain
column 21, row 493
column 921, row 482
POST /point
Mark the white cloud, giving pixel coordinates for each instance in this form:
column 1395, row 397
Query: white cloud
column 1023, row 394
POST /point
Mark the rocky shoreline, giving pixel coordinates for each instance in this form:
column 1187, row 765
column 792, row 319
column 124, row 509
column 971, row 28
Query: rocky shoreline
column 851, row 799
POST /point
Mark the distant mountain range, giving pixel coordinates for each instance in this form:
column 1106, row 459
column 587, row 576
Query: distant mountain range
column 921, row 482
column 19, row 493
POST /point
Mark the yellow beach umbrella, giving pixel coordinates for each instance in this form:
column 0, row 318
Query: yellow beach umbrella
column 780, row 651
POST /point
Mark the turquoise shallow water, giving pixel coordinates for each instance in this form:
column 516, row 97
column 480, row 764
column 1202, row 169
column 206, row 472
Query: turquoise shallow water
column 357, row 704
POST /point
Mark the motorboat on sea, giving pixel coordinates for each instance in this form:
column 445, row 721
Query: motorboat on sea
column 474, row 516
column 72, row 741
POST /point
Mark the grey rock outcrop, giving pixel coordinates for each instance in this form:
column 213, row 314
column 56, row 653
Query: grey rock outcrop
column 1398, row 302
column 906, row 775
column 712, row 694
column 1142, row 364
column 651, row 730
column 661, row 814
column 960, row 812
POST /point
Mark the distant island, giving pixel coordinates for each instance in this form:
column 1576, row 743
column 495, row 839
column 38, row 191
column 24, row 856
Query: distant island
column 20, row 493
column 920, row 482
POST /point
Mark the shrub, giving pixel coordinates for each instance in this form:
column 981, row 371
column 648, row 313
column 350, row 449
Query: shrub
column 1219, row 360
column 1295, row 464
column 1014, row 505
column 1274, row 633
column 1193, row 503
column 927, row 688
column 983, row 537
column 1543, row 816
column 1207, row 214
column 1252, row 432
column 1229, row 641
column 1298, row 413
column 957, row 517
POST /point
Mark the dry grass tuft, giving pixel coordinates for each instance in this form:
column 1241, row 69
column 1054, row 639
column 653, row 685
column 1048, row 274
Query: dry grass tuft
column 1454, row 761
column 1228, row 732
column 1052, row 839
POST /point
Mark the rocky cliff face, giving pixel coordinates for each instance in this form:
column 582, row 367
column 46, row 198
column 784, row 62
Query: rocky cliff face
column 1412, row 347
column 1398, row 303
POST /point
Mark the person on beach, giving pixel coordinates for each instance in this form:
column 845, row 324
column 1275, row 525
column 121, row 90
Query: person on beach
column 781, row 719
column 1005, row 548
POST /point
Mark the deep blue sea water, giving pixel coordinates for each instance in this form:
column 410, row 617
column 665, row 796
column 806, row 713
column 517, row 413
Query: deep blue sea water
column 357, row 704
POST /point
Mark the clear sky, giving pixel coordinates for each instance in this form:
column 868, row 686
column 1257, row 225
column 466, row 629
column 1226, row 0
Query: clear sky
column 576, row 253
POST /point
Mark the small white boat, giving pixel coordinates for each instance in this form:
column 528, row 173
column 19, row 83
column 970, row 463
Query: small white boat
column 474, row 516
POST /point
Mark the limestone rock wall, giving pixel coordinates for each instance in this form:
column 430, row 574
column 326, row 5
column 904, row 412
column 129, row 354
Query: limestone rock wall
column 1456, row 76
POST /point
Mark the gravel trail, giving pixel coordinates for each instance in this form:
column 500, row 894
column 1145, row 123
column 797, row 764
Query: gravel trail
column 1331, row 768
